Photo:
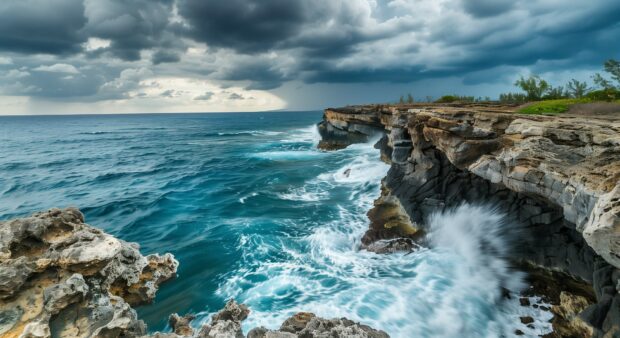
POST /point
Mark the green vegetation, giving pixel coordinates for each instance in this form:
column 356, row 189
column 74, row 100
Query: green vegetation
column 512, row 98
column 459, row 98
column 554, row 100
column 577, row 89
column 533, row 86
column 551, row 106
column 545, row 98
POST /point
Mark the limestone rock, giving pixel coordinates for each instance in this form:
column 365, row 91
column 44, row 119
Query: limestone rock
column 58, row 278
column 306, row 324
column 556, row 177
column 227, row 324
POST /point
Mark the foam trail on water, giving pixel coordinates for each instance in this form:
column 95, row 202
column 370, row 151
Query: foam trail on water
column 451, row 289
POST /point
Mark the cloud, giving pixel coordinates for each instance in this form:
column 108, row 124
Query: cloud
column 38, row 26
column 130, row 26
column 486, row 8
column 163, row 56
column 102, row 50
column 235, row 96
column 243, row 25
column 58, row 68
column 205, row 97
column 167, row 93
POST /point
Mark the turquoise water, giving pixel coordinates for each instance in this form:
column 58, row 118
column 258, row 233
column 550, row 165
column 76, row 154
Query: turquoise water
column 253, row 211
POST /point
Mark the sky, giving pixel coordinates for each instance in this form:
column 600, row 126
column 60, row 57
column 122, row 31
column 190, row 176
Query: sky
column 145, row 56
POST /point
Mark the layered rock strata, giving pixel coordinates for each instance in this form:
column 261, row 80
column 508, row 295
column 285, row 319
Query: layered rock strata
column 556, row 177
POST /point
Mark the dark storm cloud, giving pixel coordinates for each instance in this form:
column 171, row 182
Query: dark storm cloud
column 486, row 8
column 36, row 26
column 132, row 26
column 164, row 56
column 55, row 84
column 63, row 26
column 262, row 44
column 244, row 25
column 263, row 73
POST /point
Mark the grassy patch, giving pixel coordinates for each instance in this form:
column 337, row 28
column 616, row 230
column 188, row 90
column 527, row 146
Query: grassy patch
column 551, row 106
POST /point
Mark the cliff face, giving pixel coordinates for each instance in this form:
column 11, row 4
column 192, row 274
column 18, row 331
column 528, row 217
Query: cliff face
column 556, row 177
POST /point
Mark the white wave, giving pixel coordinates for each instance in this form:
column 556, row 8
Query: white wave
column 251, row 132
column 280, row 155
column 305, row 135
column 304, row 194
column 452, row 289
column 242, row 199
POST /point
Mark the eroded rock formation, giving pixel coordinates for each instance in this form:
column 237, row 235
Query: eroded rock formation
column 557, row 178
column 60, row 277
column 227, row 324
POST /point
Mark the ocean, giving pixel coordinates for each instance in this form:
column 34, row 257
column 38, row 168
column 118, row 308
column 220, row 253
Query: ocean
column 252, row 210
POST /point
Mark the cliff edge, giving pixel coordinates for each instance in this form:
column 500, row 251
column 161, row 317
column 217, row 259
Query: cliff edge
column 556, row 177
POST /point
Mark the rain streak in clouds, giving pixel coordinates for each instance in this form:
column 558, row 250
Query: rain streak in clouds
column 208, row 55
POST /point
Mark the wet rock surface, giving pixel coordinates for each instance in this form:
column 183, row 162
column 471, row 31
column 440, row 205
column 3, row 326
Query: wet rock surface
column 227, row 324
column 555, row 177
column 60, row 277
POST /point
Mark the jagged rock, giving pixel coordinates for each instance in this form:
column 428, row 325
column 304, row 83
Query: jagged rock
column 304, row 324
column 181, row 325
column 59, row 296
column 390, row 227
column 57, row 278
column 557, row 178
column 227, row 324
column 392, row 246
column 566, row 321
column 60, row 277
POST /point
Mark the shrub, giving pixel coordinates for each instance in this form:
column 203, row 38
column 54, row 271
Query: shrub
column 512, row 98
column 555, row 93
column 455, row 98
column 551, row 106
column 607, row 94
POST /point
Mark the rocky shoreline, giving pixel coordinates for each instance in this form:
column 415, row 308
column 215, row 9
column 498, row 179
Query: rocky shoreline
column 60, row 277
column 556, row 177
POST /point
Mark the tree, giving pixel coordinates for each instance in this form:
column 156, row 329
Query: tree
column 602, row 82
column 512, row 98
column 613, row 68
column 554, row 93
column 534, row 86
column 409, row 98
column 402, row 100
column 576, row 88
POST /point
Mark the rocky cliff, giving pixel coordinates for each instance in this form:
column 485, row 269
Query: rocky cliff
column 60, row 277
column 556, row 177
